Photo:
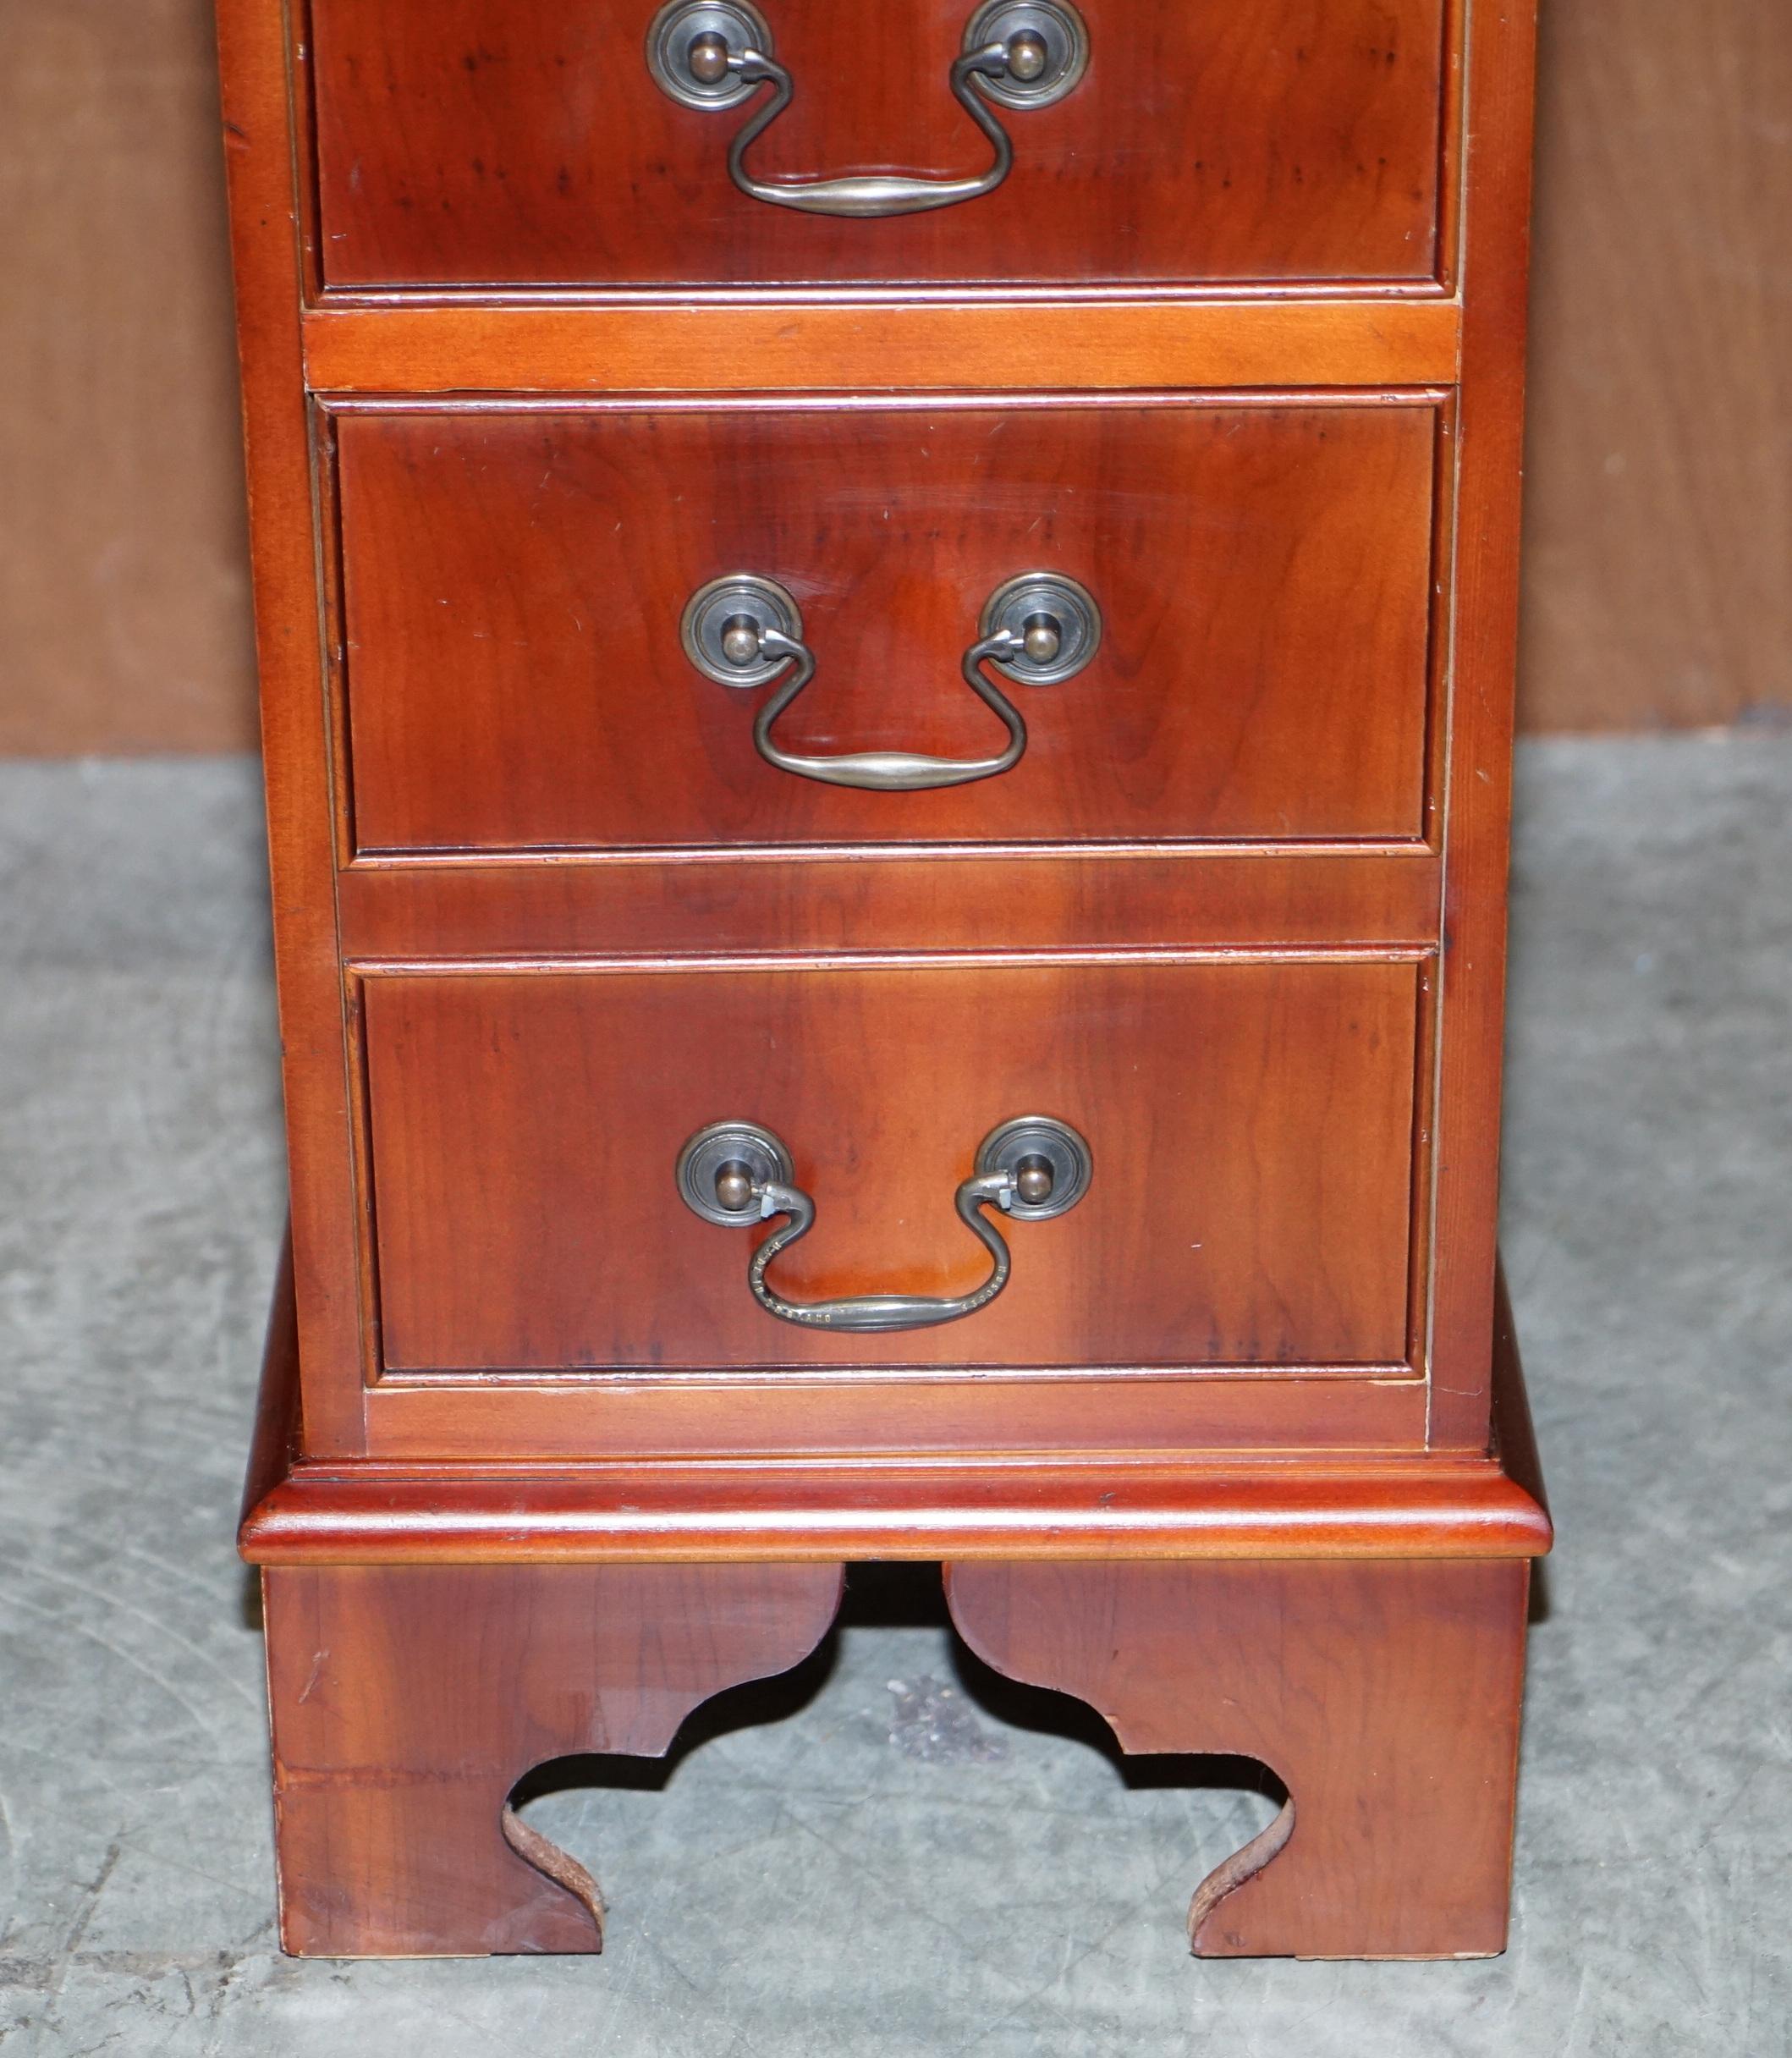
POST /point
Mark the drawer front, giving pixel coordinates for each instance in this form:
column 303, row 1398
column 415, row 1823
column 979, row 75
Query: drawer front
column 463, row 143
column 1249, row 1126
column 514, row 583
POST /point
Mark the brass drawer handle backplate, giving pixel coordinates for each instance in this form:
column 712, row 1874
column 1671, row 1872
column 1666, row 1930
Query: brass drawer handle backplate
column 1038, row 629
column 715, row 54
column 738, row 1173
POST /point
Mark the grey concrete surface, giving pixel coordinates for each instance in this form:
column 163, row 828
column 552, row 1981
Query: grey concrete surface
column 837, row 1865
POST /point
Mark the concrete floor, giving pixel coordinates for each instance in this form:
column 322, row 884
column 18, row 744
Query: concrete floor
column 889, row 1854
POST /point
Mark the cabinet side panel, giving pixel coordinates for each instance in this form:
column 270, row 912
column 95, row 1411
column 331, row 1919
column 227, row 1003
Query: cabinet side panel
column 283, row 532
column 1479, row 784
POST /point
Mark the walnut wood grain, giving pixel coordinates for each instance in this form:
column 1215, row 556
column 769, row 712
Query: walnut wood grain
column 515, row 578
column 1279, row 141
column 1251, row 1125
column 407, row 1702
column 1384, row 1697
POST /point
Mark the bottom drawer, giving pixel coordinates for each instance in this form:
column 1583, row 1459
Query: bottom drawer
column 1250, row 1193
column 1249, row 1127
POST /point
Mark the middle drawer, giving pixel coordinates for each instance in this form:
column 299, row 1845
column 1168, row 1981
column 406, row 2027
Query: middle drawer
column 1228, row 640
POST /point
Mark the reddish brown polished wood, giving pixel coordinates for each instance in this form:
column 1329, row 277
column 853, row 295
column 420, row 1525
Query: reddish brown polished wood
column 773, row 1430
column 1479, row 795
column 1375, row 1508
column 1384, row 1697
column 959, row 345
column 1206, row 141
column 1251, row 1127
column 408, row 1701
column 799, row 1415
column 1240, row 1454
column 296, row 737
column 1359, row 1505
column 396, row 914
column 830, row 905
column 514, row 580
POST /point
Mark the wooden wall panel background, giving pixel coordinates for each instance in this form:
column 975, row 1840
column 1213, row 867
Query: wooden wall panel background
column 1659, row 579
column 123, row 584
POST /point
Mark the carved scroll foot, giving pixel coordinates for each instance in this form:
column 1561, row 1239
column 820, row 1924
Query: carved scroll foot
column 408, row 1700
column 1383, row 1694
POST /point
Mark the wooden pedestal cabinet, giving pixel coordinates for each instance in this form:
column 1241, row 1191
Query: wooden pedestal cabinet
column 887, row 657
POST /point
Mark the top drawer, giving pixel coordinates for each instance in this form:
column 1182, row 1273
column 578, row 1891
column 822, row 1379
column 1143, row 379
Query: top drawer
column 525, row 143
